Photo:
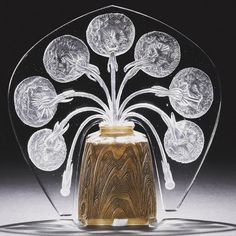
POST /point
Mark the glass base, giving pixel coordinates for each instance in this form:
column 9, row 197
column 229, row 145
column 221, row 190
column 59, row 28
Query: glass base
column 120, row 222
column 166, row 227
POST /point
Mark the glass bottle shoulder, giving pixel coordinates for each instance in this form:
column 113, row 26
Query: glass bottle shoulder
column 98, row 138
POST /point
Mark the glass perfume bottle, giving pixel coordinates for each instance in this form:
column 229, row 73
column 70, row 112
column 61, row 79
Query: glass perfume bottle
column 117, row 185
column 120, row 155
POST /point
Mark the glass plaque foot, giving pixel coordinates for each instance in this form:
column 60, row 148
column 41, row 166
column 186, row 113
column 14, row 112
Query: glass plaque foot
column 167, row 227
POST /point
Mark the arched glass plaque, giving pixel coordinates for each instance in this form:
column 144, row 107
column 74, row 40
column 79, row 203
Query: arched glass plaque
column 115, row 120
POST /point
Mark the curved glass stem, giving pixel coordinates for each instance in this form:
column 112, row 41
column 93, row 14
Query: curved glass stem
column 58, row 131
column 130, row 97
column 64, row 97
column 163, row 115
column 136, row 63
column 81, row 110
column 60, row 98
column 67, row 174
column 68, row 96
column 92, row 73
column 130, row 74
column 112, row 68
column 104, row 87
column 182, row 95
column 93, row 68
column 169, row 182
column 94, row 98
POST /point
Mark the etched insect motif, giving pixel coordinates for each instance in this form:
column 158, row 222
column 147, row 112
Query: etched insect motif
column 183, row 141
column 157, row 54
column 36, row 100
column 110, row 33
column 192, row 92
column 47, row 149
column 66, row 59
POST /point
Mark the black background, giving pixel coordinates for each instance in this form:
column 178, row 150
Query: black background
column 210, row 24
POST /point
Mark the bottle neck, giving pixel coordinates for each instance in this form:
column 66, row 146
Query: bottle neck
column 126, row 128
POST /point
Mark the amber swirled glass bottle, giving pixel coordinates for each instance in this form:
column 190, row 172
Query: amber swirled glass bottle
column 117, row 184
